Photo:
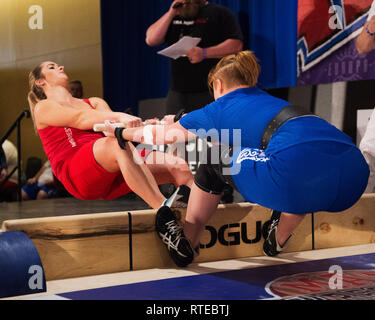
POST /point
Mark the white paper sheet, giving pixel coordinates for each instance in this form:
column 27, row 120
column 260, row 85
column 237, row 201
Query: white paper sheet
column 178, row 49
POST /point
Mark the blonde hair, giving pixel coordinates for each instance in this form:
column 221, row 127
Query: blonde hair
column 236, row 70
column 36, row 93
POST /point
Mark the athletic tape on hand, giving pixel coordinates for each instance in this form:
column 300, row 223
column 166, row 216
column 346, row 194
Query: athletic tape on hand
column 148, row 137
column 100, row 127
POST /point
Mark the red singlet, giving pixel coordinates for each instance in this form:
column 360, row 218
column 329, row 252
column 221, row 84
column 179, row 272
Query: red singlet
column 70, row 152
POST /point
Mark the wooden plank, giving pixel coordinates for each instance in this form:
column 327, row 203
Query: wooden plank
column 60, row 228
column 76, row 246
column 351, row 227
column 235, row 231
column 92, row 244
column 64, row 259
column 148, row 250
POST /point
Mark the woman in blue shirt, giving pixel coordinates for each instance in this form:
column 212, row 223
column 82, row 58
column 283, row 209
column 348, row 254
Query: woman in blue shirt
column 276, row 155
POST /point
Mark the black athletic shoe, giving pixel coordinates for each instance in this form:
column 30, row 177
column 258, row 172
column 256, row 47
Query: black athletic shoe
column 172, row 234
column 271, row 247
column 179, row 198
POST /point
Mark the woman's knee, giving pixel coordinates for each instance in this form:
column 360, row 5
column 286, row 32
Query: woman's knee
column 106, row 145
column 106, row 153
column 182, row 173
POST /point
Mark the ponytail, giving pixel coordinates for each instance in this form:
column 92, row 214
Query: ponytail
column 33, row 100
column 36, row 93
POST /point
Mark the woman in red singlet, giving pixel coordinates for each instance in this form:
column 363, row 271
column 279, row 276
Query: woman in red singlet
column 90, row 165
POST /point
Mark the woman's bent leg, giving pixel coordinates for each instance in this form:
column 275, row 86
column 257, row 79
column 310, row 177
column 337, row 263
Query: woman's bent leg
column 140, row 180
column 167, row 168
column 202, row 206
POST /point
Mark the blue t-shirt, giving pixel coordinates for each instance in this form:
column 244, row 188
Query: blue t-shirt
column 248, row 111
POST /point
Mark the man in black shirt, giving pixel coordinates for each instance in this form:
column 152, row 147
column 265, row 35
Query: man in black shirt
column 221, row 35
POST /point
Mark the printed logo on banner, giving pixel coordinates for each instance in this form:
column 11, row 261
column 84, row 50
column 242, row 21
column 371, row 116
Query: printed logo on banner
column 318, row 283
column 326, row 26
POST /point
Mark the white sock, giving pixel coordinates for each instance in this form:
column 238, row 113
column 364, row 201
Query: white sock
column 278, row 246
column 170, row 201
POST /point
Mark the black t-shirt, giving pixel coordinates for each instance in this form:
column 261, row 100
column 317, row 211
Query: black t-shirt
column 214, row 25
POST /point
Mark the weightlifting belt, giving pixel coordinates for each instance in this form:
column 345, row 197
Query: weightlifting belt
column 285, row 114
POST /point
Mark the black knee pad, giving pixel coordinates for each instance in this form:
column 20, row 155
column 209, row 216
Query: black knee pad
column 209, row 179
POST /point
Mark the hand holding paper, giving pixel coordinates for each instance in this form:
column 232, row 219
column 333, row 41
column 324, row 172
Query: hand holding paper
column 178, row 49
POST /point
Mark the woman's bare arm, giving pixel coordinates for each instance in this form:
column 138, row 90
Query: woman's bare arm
column 50, row 113
column 99, row 104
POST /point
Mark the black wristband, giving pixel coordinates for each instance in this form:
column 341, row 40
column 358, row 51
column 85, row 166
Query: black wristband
column 121, row 141
column 179, row 115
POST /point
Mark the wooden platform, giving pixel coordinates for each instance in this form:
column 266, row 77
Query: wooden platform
column 67, row 206
column 101, row 243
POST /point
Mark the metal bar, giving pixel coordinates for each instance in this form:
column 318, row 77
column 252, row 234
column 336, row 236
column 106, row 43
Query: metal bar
column 25, row 113
column 16, row 124
column 19, row 160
